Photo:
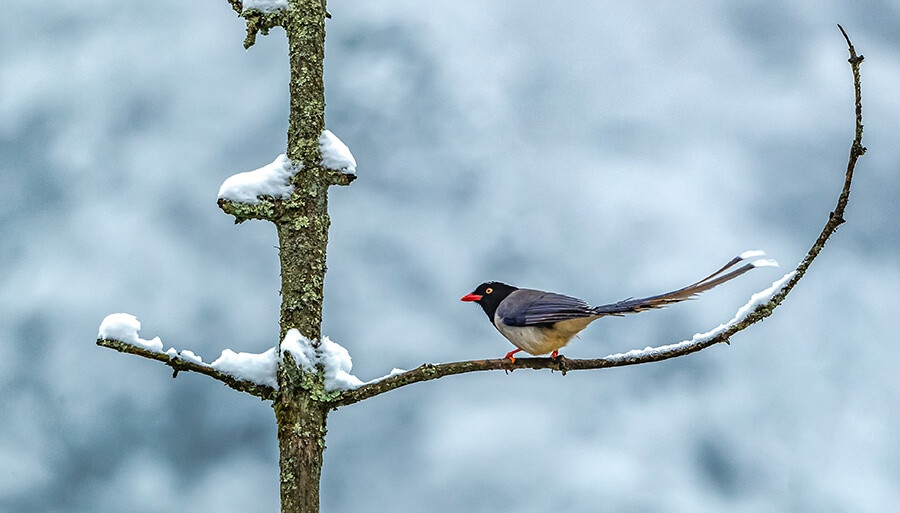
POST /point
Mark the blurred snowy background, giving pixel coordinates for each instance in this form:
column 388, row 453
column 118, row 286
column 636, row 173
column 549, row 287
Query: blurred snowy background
column 598, row 149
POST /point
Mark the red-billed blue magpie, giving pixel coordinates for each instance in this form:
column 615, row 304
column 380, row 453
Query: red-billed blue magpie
column 539, row 322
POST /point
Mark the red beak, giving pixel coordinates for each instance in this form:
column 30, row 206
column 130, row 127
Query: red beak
column 470, row 297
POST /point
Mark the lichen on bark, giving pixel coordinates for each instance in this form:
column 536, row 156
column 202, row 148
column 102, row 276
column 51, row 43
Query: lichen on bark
column 302, row 225
column 301, row 403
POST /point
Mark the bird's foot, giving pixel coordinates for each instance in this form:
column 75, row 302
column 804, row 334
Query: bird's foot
column 554, row 355
column 510, row 356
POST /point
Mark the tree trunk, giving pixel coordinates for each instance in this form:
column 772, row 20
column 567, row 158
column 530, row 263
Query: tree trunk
column 303, row 237
column 301, row 440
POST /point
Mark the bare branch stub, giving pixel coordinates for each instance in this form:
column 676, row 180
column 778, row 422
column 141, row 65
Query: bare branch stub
column 257, row 21
column 339, row 178
column 237, row 5
column 429, row 372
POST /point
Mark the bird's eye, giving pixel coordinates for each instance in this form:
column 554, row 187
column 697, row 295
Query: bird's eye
column 488, row 290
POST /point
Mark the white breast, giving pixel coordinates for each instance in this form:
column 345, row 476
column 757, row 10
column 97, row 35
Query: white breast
column 536, row 340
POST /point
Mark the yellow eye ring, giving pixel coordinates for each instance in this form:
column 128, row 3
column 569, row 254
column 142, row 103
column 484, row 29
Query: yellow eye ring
column 488, row 290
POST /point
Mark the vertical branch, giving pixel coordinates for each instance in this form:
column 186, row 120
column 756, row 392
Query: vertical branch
column 301, row 421
column 303, row 236
column 306, row 46
column 302, row 239
column 303, row 225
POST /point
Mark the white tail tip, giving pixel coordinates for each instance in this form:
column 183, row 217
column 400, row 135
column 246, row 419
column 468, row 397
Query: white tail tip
column 765, row 262
column 751, row 254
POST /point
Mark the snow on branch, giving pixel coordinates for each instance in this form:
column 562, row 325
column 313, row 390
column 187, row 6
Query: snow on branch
column 250, row 194
column 248, row 372
column 270, row 180
column 328, row 355
column 335, row 154
column 701, row 340
column 120, row 332
column 256, row 194
column 264, row 5
column 124, row 327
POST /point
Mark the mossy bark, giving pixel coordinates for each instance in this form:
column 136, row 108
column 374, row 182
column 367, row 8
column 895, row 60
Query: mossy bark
column 301, row 420
column 305, row 27
column 303, row 224
column 302, row 239
column 303, row 236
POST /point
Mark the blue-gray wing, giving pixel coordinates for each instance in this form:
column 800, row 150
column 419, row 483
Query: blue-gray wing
column 526, row 307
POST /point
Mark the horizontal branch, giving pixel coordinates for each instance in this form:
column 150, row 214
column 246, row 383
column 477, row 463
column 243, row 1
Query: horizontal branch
column 268, row 208
column 265, row 209
column 180, row 364
column 757, row 309
column 428, row 372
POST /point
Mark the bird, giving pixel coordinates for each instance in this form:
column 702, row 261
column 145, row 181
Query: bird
column 540, row 322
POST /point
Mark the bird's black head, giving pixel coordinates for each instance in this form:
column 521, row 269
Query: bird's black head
column 489, row 295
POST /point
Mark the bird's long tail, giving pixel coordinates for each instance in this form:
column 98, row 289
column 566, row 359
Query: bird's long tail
column 726, row 273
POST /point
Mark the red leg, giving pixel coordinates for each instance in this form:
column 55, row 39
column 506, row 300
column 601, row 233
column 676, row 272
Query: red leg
column 554, row 354
column 510, row 355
